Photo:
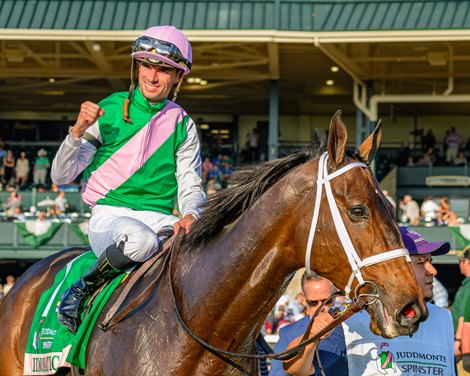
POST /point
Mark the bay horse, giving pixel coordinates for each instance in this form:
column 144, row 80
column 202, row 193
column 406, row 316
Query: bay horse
column 238, row 259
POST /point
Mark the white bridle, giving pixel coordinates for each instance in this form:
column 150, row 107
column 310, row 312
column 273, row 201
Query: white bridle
column 355, row 261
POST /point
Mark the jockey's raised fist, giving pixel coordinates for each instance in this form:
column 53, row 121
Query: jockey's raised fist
column 89, row 114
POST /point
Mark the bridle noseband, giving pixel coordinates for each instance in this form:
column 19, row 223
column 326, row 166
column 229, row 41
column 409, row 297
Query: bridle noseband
column 323, row 180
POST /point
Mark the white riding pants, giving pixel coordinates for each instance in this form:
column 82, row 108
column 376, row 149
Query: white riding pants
column 138, row 229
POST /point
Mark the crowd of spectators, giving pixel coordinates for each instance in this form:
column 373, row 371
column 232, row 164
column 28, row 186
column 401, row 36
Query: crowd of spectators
column 216, row 172
column 18, row 171
column 25, row 170
column 4, row 289
column 429, row 213
column 56, row 208
column 286, row 311
column 452, row 151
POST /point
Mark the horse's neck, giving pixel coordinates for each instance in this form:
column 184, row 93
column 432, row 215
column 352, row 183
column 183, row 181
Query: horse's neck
column 239, row 276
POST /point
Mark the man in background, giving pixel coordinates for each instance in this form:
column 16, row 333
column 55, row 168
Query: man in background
column 409, row 211
column 461, row 317
column 315, row 291
column 371, row 355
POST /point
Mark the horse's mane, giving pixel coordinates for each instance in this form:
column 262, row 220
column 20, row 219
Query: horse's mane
column 245, row 186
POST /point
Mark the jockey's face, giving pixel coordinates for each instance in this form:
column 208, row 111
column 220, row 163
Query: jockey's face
column 156, row 81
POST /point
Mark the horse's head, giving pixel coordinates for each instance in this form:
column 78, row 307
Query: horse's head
column 366, row 254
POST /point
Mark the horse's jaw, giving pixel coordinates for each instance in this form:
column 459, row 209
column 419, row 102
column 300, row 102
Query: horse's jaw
column 396, row 324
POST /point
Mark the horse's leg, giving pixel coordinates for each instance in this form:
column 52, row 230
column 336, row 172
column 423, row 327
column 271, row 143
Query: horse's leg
column 19, row 306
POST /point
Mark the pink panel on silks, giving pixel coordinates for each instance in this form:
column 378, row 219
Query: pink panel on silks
column 133, row 155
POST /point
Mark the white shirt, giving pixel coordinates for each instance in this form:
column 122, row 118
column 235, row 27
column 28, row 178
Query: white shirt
column 429, row 209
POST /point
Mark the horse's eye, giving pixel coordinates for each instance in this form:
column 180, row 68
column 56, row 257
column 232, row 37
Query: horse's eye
column 358, row 211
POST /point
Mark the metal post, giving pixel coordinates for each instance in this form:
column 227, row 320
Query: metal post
column 359, row 128
column 273, row 138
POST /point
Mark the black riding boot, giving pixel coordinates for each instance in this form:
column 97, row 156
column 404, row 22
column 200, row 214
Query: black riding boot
column 109, row 264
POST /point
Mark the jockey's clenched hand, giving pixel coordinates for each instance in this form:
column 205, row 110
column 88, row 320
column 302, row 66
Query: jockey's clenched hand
column 184, row 222
column 89, row 114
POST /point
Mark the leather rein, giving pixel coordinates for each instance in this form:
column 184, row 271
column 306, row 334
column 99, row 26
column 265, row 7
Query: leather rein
column 355, row 306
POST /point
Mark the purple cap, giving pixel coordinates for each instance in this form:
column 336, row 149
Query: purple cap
column 416, row 244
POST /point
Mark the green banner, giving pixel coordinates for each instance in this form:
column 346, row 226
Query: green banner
column 45, row 231
column 78, row 230
column 461, row 234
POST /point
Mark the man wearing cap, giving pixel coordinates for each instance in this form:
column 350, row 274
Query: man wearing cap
column 138, row 151
column 461, row 317
column 41, row 165
column 429, row 351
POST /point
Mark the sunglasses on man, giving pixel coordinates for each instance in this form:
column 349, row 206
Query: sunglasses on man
column 314, row 303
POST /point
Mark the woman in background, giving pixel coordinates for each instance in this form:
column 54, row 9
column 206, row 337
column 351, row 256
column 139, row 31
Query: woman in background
column 9, row 165
column 445, row 216
column 22, row 169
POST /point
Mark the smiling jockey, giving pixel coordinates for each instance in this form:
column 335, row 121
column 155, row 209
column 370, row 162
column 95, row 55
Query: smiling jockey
column 138, row 151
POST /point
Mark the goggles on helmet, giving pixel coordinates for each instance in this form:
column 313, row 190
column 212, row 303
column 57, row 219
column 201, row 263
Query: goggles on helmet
column 159, row 47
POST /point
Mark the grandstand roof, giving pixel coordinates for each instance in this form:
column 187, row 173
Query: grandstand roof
column 63, row 52
column 333, row 15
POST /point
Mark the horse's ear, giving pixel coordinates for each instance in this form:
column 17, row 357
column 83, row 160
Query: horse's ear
column 369, row 147
column 337, row 138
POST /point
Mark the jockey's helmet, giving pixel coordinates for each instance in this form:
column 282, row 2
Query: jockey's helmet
column 164, row 45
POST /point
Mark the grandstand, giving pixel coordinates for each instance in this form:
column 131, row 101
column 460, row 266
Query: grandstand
column 280, row 66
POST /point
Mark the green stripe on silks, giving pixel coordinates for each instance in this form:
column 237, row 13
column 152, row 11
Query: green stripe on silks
column 37, row 240
column 461, row 234
column 50, row 345
column 77, row 230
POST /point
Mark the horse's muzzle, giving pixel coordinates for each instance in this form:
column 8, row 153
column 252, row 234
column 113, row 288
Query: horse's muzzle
column 411, row 315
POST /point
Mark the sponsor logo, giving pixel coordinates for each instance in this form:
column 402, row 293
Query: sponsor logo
column 409, row 362
column 48, row 332
column 44, row 364
column 46, row 345
column 385, row 360
column 43, row 338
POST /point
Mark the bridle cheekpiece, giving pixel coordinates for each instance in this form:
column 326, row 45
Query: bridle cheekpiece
column 323, row 180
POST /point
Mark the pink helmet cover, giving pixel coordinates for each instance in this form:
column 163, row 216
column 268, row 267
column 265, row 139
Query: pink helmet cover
column 172, row 35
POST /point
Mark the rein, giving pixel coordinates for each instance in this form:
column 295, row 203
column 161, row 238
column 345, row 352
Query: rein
column 323, row 180
column 354, row 307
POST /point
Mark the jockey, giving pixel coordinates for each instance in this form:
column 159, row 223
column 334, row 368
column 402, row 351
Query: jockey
column 138, row 152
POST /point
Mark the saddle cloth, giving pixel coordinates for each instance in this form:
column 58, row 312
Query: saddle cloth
column 50, row 345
